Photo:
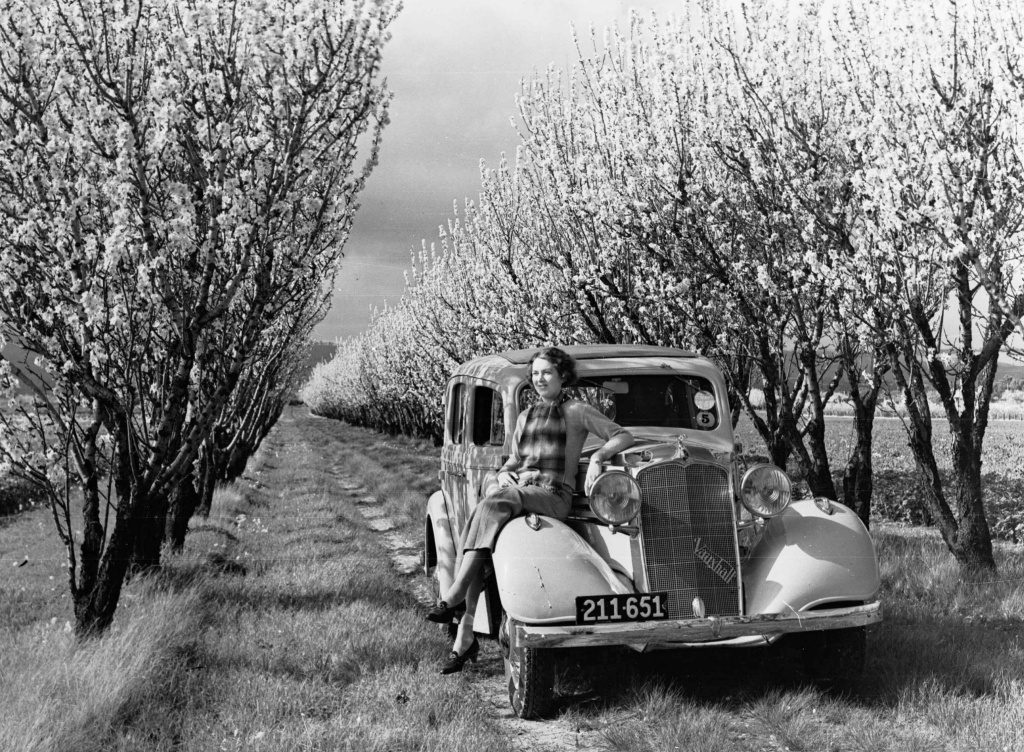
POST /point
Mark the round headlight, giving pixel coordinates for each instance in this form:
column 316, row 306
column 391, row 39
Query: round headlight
column 615, row 498
column 765, row 490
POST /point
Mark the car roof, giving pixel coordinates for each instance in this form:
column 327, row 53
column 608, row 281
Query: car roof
column 510, row 364
column 589, row 352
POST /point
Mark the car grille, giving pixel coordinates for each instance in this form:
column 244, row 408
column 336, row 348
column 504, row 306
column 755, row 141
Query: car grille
column 689, row 537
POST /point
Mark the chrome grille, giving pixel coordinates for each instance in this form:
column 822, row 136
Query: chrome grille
column 689, row 537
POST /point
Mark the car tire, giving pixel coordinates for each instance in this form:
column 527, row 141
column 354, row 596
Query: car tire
column 529, row 674
column 835, row 658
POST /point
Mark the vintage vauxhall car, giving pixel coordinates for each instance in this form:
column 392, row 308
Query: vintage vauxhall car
column 681, row 543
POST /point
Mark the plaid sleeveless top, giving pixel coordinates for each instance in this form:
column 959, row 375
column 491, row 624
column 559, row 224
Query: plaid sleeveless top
column 542, row 445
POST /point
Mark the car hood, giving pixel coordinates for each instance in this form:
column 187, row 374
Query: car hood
column 662, row 441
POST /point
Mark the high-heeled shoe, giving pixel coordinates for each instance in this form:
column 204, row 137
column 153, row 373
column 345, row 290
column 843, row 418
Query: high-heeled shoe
column 456, row 661
column 442, row 613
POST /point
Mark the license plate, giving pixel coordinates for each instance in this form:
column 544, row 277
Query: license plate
column 598, row 609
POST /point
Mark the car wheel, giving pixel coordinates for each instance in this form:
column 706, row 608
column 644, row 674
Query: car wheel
column 529, row 673
column 835, row 658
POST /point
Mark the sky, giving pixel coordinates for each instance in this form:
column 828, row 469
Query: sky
column 454, row 68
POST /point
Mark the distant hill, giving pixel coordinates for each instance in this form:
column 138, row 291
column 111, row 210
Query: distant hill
column 1010, row 369
column 1010, row 373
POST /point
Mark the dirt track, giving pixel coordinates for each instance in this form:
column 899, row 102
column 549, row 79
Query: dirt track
column 486, row 677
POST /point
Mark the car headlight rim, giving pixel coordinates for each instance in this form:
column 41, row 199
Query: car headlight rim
column 615, row 497
column 766, row 490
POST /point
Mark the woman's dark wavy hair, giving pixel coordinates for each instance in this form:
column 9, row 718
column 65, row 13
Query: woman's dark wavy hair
column 563, row 362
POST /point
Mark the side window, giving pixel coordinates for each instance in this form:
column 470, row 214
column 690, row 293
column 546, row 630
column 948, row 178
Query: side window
column 456, row 414
column 488, row 417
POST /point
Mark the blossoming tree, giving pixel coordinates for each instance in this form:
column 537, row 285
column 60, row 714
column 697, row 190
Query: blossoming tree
column 941, row 183
column 173, row 176
column 268, row 382
column 808, row 192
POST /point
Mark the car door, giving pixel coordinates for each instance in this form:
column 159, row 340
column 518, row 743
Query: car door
column 453, row 455
column 485, row 428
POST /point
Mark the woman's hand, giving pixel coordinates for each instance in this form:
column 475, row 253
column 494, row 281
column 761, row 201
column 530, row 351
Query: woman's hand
column 594, row 471
column 507, row 478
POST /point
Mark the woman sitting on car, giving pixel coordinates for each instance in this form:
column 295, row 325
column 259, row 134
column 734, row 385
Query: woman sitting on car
column 539, row 476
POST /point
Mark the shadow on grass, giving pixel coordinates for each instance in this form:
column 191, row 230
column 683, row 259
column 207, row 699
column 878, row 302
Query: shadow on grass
column 313, row 591
column 17, row 496
column 965, row 661
column 721, row 676
column 227, row 584
column 314, row 600
column 312, row 539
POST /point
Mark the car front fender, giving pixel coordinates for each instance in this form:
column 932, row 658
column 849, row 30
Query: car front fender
column 439, row 548
column 541, row 572
column 808, row 558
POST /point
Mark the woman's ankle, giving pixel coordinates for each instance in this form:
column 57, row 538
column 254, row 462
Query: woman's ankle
column 463, row 639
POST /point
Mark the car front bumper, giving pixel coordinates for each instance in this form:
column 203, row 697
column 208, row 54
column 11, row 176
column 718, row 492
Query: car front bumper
column 737, row 631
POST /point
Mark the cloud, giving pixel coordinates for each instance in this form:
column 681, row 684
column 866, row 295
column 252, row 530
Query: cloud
column 455, row 68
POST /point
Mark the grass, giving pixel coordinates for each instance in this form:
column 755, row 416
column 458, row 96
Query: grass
column 944, row 673
column 283, row 626
column 68, row 696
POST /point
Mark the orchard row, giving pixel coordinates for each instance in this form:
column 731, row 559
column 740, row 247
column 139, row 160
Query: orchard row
column 820, row 196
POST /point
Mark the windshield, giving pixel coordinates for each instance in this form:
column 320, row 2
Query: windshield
column 667, row 400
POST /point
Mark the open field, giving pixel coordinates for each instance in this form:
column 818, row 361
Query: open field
column 897, row 490
column 291, row 621
column 1003, row 448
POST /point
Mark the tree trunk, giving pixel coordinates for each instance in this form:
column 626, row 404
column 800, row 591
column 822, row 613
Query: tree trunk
column 94, row 608
column 183, row 505
column 966, row 534
column 809, row 445
column 92, row 532
column 972, row 545
column 149, row 534
column 236, row 462
column 818, row 471
column 857, row 477
column 858, row 484
column 737, row 372
column 207, row 483
column 770, row 426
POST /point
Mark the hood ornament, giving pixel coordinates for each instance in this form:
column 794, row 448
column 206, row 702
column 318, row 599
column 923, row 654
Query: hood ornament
column 682, row 453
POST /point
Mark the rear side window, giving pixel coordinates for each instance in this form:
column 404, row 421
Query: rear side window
column 456, row 413
column 488, row 417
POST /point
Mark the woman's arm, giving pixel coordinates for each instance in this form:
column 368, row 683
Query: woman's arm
column 507, row 472
column 616, row 439
column 623, row 439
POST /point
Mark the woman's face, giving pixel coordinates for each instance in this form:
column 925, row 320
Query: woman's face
column 546, row 379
